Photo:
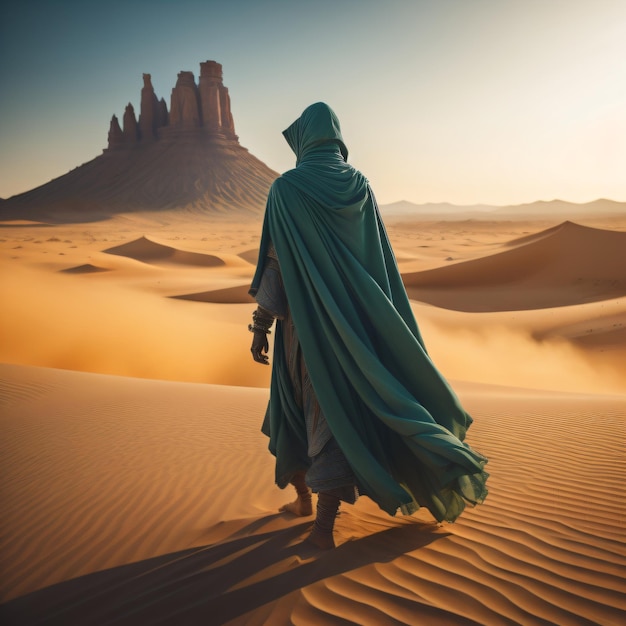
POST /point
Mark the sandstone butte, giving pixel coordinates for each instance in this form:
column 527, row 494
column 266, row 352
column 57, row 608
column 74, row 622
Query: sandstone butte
column 186, row 158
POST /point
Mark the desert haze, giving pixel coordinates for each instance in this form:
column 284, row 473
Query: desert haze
column 137, row 487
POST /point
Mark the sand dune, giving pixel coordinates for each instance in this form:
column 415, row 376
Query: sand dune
column 23, row 223
column 231, row 295
column 150, row 251
column 251, row 256
column 86, row 268
column 153, row 502
column 566, row 265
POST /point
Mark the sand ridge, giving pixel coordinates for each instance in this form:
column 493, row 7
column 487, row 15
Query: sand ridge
column 231, row 295
column 147, row 250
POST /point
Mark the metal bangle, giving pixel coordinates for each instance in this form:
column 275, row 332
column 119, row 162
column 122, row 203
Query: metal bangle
column 254, row 328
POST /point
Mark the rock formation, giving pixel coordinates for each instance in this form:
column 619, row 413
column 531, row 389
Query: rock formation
column 205, row 106
column 188, row 157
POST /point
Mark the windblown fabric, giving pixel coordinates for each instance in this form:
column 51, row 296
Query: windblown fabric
column 396, row 419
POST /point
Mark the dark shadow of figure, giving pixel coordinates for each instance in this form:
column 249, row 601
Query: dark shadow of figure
column 212, row 584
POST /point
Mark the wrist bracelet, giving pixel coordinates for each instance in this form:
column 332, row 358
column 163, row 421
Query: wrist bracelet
column 260, row 323
column 253, row 328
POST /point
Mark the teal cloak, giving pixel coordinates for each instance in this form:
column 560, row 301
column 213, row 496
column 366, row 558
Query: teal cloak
column 394, row 416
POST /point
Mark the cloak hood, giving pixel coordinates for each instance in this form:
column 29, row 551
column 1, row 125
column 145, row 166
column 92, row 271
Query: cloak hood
column 317, row 126
column 321, row 156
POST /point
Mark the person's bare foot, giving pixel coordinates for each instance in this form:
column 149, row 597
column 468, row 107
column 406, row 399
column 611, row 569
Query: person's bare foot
column 321, row 539
column 302, row 506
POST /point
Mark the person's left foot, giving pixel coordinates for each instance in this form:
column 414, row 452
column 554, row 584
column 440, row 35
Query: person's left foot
column 321, row 539
column 322, row 534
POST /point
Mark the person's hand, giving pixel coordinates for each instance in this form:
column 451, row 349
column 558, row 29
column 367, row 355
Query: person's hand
column 260, row 347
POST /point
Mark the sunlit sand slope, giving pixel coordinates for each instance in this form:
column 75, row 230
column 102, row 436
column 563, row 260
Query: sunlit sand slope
column 566, row 265
column 134, row 501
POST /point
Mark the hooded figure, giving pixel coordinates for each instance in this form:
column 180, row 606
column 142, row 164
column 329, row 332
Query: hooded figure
column 356, row 406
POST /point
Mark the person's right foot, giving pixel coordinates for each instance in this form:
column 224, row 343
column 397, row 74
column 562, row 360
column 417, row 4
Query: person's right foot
column 302, row 506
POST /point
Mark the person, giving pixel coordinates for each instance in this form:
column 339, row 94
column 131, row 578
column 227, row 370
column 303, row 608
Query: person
column 356, row 406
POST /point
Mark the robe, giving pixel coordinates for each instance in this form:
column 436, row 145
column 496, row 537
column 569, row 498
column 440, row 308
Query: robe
column 395, row 418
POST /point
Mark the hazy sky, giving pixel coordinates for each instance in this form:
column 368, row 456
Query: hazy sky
column 466, row 101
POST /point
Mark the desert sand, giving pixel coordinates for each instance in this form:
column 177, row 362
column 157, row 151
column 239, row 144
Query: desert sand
column 138, row 489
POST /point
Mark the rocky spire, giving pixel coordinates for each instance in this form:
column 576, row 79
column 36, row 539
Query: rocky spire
column 215, row 100
column 116, row 136
column 131, row 130
column 185, row 109
column 163, row 116
column 148, row 118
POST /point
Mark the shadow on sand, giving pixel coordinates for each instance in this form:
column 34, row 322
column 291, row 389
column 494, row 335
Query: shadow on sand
column 211, row 584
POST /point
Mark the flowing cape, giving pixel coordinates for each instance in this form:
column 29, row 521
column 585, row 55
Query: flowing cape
column 394, row 416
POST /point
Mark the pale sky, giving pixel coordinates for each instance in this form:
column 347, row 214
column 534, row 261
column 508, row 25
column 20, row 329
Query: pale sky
column 463, row 101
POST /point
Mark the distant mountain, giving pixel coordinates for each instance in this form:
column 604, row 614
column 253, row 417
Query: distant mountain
column 553, row 208
column 564, row 209
column 186, row 158
column 403, row 207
